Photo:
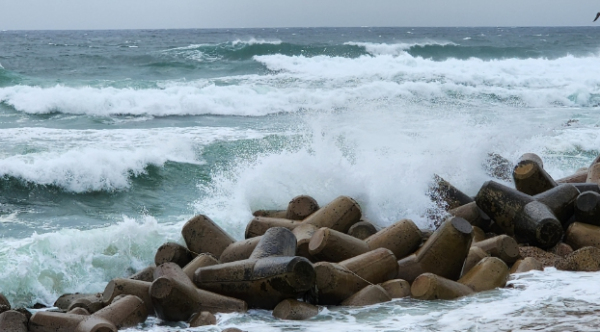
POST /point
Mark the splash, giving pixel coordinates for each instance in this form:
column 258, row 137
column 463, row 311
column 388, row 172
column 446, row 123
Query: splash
column 42, row 267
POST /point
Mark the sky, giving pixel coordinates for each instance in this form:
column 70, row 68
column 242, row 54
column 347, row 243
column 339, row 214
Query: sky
column 182, row 14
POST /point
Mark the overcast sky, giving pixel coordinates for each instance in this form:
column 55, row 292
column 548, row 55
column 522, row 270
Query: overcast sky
column 161, row 14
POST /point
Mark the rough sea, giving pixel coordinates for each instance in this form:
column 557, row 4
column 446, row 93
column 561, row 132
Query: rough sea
column 111, row 140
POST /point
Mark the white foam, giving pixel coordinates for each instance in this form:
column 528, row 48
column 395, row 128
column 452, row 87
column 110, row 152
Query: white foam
column 197, row 52
column 92, row 160
column 567, row 81
column 191, row 52
column 197, row 98
column 323, row 83
column 42, row 267
column 386, row 159
column 548, row 301
column 395, row 49
column 254, row 41
column 9, row 218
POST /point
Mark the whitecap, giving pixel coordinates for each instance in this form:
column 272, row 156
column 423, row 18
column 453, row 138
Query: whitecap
column 102, row 160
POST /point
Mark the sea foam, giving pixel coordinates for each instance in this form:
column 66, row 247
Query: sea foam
column 94, row 160
column 322, row 83
column 42, row 267
column 396, row 48
column 386, row 160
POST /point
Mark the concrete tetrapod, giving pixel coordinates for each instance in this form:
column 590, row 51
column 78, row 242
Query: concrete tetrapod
column 270, row 213
column 501, row 203
column 335, row 283
column 175, row 298
column 202, row 318
column 593, row 175
column 120, row 286
column 125, row 312
column 577, row 177
column 262, row 283
column 270, row 275
column 585, row 186
column 340, row 214
column 332, row 246
column 444, row 253
column 371, row 294
column 49, row 321
column 501, row 246
column 519, row 213
column 376, row 266
column 172, row 252
column 473, row 214
column 402, row 238
column 202, row 235
column 4, row 304
column 560, row 200
column 90, row 303
column 489, row 273
column 397, row 288
column 525, row 265
column 277, row 241
column 239, row 250
column 530, row 176
column 295, row 310
column 409, row 268
column 362, row 230
column 66, row 300
column 78, row 311
column 475, row 255
column 478, row 234
column 146, row 274
column 580, row 235
column 442, row 190
column 301, row 207
column 13, row 321
column 429, row 286
column 587, row 208
column 198, row 262
column 259, row 225
column 304, row 234
column 538, row 224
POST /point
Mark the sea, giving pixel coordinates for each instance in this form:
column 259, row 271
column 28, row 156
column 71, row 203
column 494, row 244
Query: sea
column 111, row 140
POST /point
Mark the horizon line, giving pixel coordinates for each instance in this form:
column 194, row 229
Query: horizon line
column 308, row 27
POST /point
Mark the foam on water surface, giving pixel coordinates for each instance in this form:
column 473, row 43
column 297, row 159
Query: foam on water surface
column 321, row 83
column 42, row 267
column 395, row 49
column 93, row 160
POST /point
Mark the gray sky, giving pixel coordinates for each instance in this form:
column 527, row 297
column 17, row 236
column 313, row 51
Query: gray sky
column 161, row 14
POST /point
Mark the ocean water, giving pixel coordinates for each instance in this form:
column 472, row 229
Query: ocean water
column 111, row 140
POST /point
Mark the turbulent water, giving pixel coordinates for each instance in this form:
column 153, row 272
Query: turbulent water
column 111, row 140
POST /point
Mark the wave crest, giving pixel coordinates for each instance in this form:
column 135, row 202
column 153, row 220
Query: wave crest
column 394, row 49
column 90, row 160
